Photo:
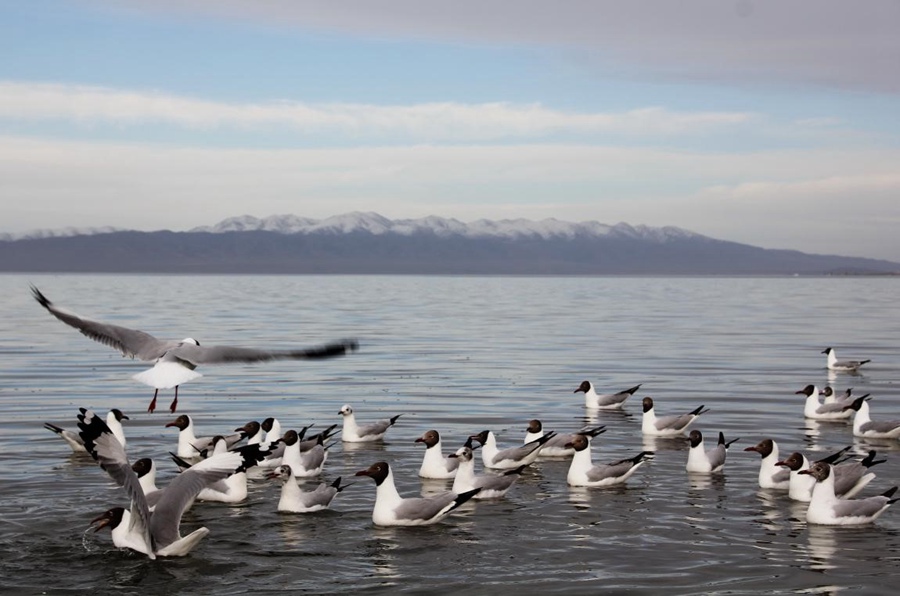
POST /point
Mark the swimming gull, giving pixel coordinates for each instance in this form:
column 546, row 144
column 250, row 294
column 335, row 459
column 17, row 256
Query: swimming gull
column 666, row 426
column 841, row 365
column 584, row 472
column 607, row 401
column 393, row 510
column 707, row 462
column 354, row 433
column 828, row 509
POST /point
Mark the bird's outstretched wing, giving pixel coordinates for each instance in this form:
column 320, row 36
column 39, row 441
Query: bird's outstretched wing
column 106, row 449
column 197, row 355
column 180, row 493
column 130, row 342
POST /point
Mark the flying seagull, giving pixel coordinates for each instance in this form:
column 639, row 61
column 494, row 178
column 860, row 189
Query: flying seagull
column 175, row 361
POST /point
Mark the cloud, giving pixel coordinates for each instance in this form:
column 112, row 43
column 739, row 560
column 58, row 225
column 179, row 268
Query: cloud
column 820, row 42
column 444, row 121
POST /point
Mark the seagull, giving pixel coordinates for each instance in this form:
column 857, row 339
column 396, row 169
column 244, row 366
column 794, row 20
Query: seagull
column 492, row 486
column 191, row 446
column 113, row 420
column 609, row 401
column 393, row 510
column 826, row 508
column 864, row 426
column 666, row 426
column 584, row 472
column 232, row 489
column 841, row 365
column 818, row 411
column 254, row 432
column 295, row 500
column 831, row 396
column 145, row 469
column 435, row 464
column 770, row 474
column 707, row 462
column 353, row 433
column 154, row 534
column 849, row 477
column 556, row 447
column 511, row 458
column 175, row 361
column 272, row 428
column 304, row 464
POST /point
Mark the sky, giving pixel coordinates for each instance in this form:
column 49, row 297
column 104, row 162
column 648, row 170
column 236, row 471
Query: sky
column 773, row 123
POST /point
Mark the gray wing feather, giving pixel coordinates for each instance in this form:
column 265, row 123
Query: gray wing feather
column 880, row 426
column 672, row 422
column 860, row 507
column 836, row 406
column 716, row 456
column 313, row 458
column 490, row 482
column 425, row 508
column 518, row 453
column 180, row 493
column 154, row 497
column 375, row 428
column 846, row 476
column 323, row 495
column 130, row 342
column 612, row 398
column 782, row 475
column 604, row 471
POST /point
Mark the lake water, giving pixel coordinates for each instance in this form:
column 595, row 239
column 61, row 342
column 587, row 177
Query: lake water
column 458, row 354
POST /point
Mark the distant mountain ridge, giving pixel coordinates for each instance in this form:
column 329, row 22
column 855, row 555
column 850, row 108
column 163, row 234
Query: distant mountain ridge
column 368, row 243
column 440, row 226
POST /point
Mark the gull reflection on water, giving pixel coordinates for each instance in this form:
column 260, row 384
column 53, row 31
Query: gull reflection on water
column 608, row 417
column 702, row 482
column 579, row 497
column 772, row 517
column 864, row 444
column 822, row 547
column 382, row 556
column 656, row 444
column 294, row 530
column 814, row 430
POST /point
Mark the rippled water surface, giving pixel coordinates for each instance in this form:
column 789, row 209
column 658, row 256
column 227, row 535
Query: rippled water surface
column 459, row 355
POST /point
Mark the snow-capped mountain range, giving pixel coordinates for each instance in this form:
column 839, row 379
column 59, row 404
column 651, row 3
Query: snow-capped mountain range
column 376, row 224
column 60, row 233
column 368, row 243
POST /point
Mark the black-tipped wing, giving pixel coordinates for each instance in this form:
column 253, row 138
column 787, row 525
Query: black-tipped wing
column 197, row 355
column 106, row 449
column 616, row 469
column 426, row 508
column 717, row 455
column 674, row 421
column 130, row 342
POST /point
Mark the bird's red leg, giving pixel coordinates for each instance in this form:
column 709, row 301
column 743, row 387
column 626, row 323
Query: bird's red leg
column 153, row 403
column 174, row 401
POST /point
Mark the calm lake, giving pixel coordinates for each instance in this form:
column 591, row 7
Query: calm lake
column 457, row 354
